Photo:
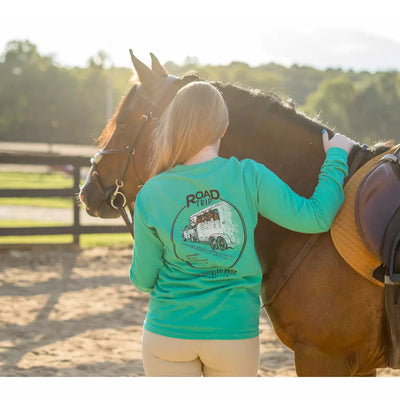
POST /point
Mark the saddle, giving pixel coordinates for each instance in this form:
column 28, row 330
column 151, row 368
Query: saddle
column 377, row 212
column 377, row 215
column 360, row 231
column 366, row 233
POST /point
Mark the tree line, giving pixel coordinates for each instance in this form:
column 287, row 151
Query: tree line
column 42, row 101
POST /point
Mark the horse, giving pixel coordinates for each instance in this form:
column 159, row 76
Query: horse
column 332, row 318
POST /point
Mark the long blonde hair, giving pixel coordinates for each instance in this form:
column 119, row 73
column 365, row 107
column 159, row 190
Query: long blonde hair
column 196, row 117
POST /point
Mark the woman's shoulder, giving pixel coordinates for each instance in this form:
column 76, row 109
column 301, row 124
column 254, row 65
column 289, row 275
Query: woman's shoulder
column 247, row 165
column 159, row 183
column 148, row 187
column 242, row 163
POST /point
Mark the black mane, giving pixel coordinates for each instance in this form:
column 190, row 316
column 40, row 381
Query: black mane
column 263, row 102
column 267, row 102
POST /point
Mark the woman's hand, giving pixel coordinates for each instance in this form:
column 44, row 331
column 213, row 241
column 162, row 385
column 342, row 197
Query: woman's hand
column 338, row 140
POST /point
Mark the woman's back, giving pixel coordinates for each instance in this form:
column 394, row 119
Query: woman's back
column 194, row 238
column 204, row 216
column 194, row 249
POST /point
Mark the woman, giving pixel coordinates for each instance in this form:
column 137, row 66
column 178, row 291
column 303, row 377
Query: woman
column 194, row 238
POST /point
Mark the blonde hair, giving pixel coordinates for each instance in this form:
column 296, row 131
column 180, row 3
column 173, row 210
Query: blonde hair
column 196, row 117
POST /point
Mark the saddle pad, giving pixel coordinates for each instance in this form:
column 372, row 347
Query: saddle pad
column 344, row 232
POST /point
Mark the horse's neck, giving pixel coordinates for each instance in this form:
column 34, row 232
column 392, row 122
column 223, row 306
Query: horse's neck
column 285, row 145
column 289, row 147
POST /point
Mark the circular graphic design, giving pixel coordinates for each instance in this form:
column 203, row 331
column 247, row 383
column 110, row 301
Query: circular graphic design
column 211, row 236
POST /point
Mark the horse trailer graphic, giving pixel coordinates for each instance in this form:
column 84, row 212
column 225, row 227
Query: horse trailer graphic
column 213, row 225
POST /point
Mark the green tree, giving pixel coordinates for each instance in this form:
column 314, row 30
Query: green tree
column 24, row 90
column 376, row 107
column 43, row 101
column 331, row 102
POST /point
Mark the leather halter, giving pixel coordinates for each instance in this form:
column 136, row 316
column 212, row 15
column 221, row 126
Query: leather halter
column 114, row 194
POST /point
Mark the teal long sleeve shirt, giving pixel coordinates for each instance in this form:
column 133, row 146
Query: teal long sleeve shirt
column 194, row 241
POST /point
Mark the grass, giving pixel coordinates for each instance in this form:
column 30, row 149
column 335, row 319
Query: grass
column 86, row 240
column 20, row 223
column 35, row 180
column 48, row 180
column 46, row 202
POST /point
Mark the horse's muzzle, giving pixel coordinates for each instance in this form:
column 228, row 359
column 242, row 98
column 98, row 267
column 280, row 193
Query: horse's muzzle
column 95, row 199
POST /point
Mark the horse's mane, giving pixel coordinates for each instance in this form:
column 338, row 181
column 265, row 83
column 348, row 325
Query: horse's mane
column 110, row 127
column 262, row 101
column 257, row 99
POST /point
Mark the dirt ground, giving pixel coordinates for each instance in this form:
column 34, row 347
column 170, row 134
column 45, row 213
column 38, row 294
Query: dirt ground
column 70, row 312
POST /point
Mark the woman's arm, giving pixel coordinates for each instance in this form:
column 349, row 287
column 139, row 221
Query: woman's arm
column 280, row 204
column 148, row 251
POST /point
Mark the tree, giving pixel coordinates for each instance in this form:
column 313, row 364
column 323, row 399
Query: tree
column 43, row 101
column 24, row 86
column 376, row 107
column 331, row 102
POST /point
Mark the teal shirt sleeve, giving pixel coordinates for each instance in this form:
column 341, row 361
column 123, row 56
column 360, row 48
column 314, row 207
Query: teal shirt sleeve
column 148, row 251
column 278, row 203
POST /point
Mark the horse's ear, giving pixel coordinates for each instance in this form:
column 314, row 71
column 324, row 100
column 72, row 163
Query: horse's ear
column 157, row 67
column 146, row 76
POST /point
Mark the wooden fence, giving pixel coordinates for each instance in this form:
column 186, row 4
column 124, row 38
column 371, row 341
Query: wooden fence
column 76, row 229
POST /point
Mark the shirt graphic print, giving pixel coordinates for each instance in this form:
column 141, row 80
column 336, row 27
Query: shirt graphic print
column 209, row 234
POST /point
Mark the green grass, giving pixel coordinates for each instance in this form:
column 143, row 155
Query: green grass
column 50, row 180
column 46, row 202
column 86, row 240
column 34, row 180
column 20, row 223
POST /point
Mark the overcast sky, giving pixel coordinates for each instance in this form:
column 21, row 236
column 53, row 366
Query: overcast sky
column 348, row 34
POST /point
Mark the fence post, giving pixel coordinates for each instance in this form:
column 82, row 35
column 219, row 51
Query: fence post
column 75, row 229
column 77, row 177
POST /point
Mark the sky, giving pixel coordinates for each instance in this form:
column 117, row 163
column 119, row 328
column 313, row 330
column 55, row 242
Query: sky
column 362, row 35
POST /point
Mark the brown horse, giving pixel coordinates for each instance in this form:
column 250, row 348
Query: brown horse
column 331, row 317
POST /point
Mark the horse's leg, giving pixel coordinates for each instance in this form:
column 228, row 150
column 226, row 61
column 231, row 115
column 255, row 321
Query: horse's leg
column 311, row 361
column 330, row 316
column 366, row 374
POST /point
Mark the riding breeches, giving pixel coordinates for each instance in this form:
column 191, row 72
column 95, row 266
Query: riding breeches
column 166, row 356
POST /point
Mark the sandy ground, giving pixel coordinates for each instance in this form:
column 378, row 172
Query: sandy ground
column 70, row 312
column 75, row 313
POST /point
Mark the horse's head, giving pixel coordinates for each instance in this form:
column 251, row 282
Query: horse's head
column 120, row 168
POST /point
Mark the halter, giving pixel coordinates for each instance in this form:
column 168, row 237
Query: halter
column 114, row 194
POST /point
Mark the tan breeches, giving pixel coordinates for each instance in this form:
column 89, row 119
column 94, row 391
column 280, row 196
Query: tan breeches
column 165, row 356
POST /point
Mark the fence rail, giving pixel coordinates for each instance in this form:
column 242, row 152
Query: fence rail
column 76, row 229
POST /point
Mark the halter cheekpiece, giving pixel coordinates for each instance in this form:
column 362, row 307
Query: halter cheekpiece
column 114, row 194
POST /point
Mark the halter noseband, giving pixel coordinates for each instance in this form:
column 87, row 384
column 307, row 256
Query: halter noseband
column 113, row 194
